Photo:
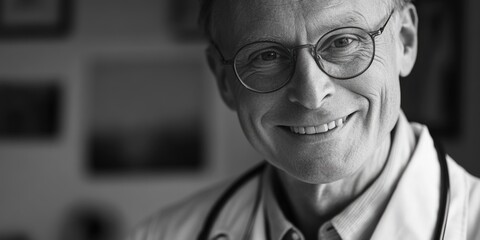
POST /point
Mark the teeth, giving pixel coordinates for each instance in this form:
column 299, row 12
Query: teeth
column 301, row 130
column 310, row 130
column 294, row 129
column 319, row 129
column 339, row 122
column 331, row 125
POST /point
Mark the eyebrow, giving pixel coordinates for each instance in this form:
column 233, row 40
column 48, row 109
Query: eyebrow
column 255, row 38
column 351, row 20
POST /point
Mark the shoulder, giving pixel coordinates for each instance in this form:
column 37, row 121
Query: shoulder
column 473, row 210
column 469, row 188
column 185, row 219
column 465, row 189
column 474, row 193
column 472, row 184
column 180, row 220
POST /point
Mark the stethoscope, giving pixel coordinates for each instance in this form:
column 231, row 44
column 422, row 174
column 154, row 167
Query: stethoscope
column 440, row 226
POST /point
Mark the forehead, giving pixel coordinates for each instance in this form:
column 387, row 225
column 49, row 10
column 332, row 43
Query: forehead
column 237, row 22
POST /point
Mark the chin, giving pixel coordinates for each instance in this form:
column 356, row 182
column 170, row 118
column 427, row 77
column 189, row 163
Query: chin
column 317, row 171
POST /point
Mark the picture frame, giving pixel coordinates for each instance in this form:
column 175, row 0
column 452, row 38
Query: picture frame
column 431, row 93
column 30, row 109
column 145, row 116
column 14, row 235
column 32, row 19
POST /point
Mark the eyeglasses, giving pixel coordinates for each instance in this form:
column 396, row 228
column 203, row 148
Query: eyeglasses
column 342, row 53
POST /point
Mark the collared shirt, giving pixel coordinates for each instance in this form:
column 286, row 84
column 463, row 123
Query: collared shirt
column 359, row 219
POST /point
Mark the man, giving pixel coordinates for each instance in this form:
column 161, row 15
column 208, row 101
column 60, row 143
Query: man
column 316, row 88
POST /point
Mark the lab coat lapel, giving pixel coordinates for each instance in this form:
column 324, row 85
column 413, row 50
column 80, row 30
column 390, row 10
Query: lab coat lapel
column 413, row 208
column 457, row 216
column 234, row 216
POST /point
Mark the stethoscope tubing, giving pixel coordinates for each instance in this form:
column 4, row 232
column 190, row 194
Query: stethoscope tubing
column 442, row 218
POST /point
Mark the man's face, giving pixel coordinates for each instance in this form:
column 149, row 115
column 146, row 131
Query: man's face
column 369, row 103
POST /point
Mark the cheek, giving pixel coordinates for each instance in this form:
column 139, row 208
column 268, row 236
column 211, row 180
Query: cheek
column 251, row 108
column 253, row 111
column 251, row 105
column 387, row 89
column 379, row 87
column 385, row 102
column 381, row 81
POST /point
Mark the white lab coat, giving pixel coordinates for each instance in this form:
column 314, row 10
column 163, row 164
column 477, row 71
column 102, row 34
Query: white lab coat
column 410, row 214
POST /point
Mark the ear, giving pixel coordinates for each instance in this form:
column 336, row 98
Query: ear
column 408, row 39
column 218, row 69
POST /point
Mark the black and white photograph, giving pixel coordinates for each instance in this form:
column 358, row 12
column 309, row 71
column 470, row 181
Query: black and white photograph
column 251, row 120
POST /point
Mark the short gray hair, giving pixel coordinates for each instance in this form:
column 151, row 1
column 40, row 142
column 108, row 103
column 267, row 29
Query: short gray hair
column 206, row 6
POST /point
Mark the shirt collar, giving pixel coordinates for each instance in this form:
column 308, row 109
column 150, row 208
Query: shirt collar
column 360, row 217
column 276, row 222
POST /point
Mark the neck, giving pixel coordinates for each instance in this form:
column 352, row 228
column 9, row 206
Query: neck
column 311, row 205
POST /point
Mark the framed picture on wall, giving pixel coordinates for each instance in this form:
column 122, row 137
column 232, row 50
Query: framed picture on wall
column 14, row 236
column 145, row 116
column 29, row 109
column 35, row 18
column 431, row 93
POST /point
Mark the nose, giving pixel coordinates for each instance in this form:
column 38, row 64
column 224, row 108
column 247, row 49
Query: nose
column 309, row 86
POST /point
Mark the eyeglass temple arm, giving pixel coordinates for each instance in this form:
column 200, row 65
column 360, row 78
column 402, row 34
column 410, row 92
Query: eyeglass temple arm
column 224, row 61
column 380, row 30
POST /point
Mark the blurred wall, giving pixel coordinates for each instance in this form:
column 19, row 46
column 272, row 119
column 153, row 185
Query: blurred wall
column 43, row 180
column 40, row 180
column 465, row 148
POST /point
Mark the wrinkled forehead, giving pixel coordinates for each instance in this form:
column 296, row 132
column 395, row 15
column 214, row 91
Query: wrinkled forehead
column 236, row 22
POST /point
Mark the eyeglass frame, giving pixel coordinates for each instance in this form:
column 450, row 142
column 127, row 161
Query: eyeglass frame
column 292, row 51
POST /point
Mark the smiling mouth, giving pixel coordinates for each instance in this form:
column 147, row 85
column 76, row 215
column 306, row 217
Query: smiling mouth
column 323, row 128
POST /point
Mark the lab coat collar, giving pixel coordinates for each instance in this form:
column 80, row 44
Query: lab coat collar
column 232, row 222
column 413, row 208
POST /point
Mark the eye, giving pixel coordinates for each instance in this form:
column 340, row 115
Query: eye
column 263, row 55
column 342, row 42
column 268, row 56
